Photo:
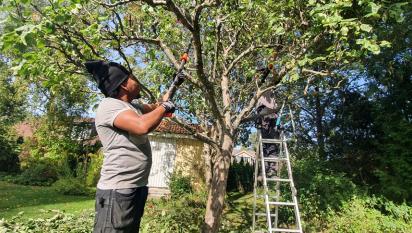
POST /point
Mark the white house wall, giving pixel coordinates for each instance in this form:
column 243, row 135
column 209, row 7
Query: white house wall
column 163, row 160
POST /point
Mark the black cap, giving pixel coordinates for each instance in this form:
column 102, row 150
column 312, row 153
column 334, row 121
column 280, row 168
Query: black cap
column 108, row 75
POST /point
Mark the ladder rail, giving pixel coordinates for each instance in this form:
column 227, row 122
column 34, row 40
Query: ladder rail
column 292, row 187
column 265, row 187
column 254, row 189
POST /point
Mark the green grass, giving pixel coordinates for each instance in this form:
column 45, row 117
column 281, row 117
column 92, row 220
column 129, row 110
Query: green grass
column 35, row 201
column 238, row 213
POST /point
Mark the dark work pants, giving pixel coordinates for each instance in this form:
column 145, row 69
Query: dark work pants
column 267, row 126
column 119, row 211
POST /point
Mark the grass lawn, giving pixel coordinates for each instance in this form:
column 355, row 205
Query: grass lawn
column 35, row 201
column 238, row 214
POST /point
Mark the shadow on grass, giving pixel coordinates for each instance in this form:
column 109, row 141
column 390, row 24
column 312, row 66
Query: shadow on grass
column 238, row 215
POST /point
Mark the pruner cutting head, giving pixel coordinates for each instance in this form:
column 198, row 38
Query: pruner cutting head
column 265, row 72
column 264, row 68
column 184, row 57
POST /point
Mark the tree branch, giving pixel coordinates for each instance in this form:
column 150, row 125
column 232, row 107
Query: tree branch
column 195, row 134
column 187, row 22
column 119, row 3
column 216, row 49
column 244, row 53
column 320, row 73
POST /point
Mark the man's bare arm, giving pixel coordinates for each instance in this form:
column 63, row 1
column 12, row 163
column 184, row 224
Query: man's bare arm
column 150, row 107
column 131, row 122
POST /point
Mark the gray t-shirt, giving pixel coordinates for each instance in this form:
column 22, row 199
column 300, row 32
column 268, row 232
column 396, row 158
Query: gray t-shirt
column 127, row 157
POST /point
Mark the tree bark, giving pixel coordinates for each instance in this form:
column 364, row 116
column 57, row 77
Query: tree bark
column 217, row 190
column 319, row 126
column 208, row 154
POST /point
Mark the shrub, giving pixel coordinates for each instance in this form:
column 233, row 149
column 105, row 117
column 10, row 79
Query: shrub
column 71, row 186
column 320, row 190
column 93, row 171
column 371, row 215
column 41, row 172
column 9, row 160
column 240, row 177
column 179, row 185
column 184, row 214
column 60, row 222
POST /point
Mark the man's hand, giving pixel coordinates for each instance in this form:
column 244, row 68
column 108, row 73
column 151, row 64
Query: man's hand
column 179, row 78
column 169, row 106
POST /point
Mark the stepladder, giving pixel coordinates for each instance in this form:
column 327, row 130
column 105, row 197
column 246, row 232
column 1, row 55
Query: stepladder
column 275, row 203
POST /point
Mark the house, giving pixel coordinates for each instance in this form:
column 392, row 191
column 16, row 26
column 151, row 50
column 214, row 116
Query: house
column 173, row 149
column 245, row 155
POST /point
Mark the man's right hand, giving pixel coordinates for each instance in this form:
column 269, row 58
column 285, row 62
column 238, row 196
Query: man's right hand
column 169, row 106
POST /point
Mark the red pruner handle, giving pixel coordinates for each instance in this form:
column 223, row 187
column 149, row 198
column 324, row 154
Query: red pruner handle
column 169, row 114
column 184, row 57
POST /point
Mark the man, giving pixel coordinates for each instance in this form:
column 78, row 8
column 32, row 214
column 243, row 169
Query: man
column 122, row 128
column 266, row 122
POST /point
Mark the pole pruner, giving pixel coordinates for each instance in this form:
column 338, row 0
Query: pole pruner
column 179, row 77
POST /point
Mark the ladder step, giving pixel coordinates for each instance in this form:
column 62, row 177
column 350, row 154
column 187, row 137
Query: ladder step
column 285, row 230
column 278, row 179
column 281, row 203
column 274, row 141
column 263, row 196
column 264, row 214
column 274, row 159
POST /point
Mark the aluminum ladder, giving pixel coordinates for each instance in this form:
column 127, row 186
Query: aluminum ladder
column 272, row 204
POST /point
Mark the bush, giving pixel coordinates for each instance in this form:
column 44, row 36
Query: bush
column 60, row 222
column 93, row 170
column 320, row 190
column 240, row 177
column 41, row 173
column 9, row 160
column 71, row 186
column 184, row 214
column 371, row 215
column 179, row 185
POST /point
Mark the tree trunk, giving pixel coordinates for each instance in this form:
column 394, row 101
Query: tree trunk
column 319, row 126
column 217, row 190
column 208, row 154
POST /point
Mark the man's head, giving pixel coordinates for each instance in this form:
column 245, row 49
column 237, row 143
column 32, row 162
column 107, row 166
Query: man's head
column 113, row 79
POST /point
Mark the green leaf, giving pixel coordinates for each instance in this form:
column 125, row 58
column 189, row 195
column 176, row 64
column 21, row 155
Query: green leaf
column 385, row 43
column 366, row 27
column 279, row 31
column 294, row 77
column 25, row 31
column 374, row 8
column 16, row 69
column 344, row 30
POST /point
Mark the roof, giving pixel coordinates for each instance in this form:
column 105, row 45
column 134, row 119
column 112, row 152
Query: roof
column 174, row 128
column 243, row 153
column 26, row 129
